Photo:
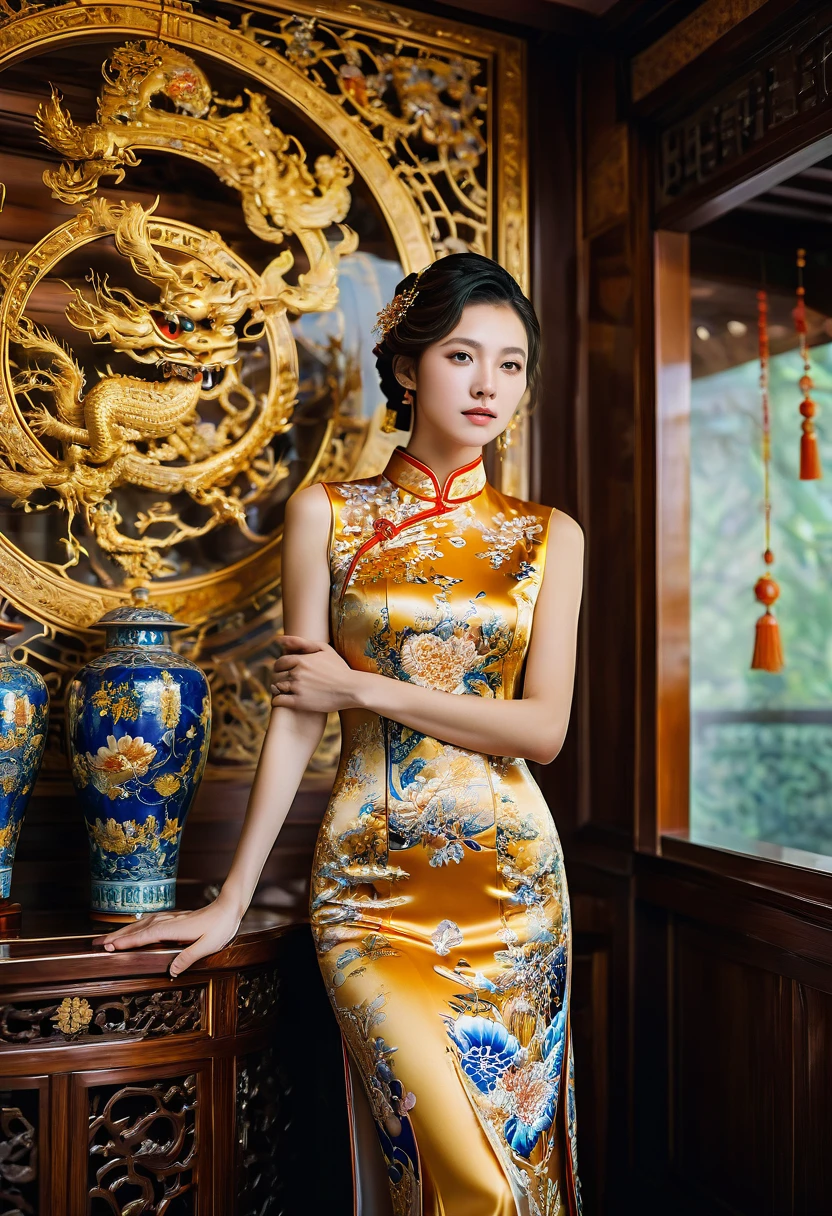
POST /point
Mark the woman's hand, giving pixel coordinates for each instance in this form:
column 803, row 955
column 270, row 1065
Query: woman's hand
column 312, row 677
column 208, row 929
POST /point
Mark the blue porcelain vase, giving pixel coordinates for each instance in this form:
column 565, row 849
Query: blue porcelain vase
column 24, row 716
column 139, row 719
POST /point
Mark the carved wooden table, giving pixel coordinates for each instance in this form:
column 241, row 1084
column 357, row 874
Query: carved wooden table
column 123, row 1091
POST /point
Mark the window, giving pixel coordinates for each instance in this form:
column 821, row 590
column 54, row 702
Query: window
column 761, row 743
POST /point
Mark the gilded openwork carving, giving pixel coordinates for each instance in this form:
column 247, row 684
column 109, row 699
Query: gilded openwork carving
column 172, row 369
column 130, row 1015
column 149, row 431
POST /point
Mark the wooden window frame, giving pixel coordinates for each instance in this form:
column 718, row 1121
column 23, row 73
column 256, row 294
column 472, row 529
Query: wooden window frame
column 780, row 868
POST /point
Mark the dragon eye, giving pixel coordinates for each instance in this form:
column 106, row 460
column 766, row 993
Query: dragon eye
column 168, row 323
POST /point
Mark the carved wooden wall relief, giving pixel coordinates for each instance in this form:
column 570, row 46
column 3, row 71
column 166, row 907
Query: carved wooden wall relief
column 790, row 82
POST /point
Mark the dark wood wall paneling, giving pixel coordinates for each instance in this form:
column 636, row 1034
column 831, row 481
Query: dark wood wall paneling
column 717, row 968
column 583, row 460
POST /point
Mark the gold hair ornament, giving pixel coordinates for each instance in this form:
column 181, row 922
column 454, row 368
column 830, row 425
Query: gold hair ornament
column 393, row 312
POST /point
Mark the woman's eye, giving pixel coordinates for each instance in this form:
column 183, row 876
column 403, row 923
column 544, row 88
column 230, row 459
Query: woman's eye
column 514, row 366
column 460, row 355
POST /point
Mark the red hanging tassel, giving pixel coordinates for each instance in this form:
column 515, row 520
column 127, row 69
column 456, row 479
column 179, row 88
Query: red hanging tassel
column 768, row 651
column 810, row 469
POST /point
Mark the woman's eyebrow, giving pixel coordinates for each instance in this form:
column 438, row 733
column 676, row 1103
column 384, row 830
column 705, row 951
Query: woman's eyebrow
column 507, row 350
column 468, row 342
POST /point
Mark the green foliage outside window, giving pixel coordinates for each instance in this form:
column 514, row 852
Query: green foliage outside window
column 761, row 762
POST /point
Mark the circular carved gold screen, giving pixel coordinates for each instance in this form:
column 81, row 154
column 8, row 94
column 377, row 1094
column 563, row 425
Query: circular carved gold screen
column 203, row 211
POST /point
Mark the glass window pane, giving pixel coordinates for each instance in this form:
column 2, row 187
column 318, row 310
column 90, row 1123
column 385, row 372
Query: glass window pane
column 761, row 743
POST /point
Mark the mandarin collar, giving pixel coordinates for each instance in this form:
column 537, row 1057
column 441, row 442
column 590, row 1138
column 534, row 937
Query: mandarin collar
column 410, row 474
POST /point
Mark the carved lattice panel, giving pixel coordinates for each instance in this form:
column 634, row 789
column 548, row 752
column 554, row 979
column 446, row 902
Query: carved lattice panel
column 264, row 1134
column 143, row 1147
column 19, row 1145
column 258, row 993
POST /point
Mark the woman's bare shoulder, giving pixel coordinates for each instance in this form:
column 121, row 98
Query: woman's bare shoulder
column 309, row 505
column 563, row 529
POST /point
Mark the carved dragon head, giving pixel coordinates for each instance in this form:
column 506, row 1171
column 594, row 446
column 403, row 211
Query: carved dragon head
column 191, row 331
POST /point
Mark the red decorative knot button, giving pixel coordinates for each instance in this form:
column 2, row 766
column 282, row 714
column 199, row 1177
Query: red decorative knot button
column 384, row 527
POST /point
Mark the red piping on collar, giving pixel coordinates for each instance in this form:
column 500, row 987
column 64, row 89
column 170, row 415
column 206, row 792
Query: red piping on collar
column 440, row 495
column 385, row 529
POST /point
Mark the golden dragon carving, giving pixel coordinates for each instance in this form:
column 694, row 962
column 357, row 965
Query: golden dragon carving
column 84, row 442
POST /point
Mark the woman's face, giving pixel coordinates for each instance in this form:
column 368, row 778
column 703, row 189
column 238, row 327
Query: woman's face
column 469, row 384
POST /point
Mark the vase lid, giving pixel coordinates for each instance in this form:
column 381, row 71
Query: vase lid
column 140, row 613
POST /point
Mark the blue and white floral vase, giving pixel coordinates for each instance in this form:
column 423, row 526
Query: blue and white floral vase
column 139, row 719
column 24, row 716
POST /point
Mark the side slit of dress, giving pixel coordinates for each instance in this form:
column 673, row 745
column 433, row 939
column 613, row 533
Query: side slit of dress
column 371, row 1188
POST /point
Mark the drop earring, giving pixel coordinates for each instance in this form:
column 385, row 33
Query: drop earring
column 391, row 417
column 408, row 402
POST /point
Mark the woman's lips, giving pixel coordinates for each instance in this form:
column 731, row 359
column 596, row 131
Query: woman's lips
column 479, row 417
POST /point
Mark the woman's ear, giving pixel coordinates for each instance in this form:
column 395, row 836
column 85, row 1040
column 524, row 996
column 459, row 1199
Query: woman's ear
column 404, row 369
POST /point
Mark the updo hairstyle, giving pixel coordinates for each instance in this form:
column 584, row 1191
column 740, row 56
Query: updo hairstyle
column 444, row 289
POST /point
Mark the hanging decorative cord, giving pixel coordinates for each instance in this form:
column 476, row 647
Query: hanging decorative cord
column 810, row 468
column 768, row 651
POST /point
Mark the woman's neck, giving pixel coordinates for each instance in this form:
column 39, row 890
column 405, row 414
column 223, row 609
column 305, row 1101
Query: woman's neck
column 441, row 456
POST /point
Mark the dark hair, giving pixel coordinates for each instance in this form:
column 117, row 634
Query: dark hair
column 444, row 289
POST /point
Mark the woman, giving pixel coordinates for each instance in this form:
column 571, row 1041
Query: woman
column 439, row 617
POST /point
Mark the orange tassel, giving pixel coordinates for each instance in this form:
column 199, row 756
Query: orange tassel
column 768, row 650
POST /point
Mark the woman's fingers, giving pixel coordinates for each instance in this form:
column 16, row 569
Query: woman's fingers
column 291, row 643
column 286, row 662
column 197, row 950
column 116, row 937
column 160, row 928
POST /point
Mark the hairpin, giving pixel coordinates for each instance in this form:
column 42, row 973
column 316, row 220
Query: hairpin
column 393, row 312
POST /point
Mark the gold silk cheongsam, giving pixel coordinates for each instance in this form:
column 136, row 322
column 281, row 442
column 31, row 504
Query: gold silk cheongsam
column 439, row 903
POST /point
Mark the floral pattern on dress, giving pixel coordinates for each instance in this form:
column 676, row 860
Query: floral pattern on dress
column 459, row 653
column 444, row 807
column 503, row 535
column 406, row 557
column 508, row 1027
column 446, row 936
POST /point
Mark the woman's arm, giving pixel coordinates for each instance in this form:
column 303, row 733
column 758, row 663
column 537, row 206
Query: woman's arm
column 291, row 738
column 313, row 676
column 293, row 734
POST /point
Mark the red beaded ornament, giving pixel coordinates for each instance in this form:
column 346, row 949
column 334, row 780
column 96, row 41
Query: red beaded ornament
column 810, row 468
column 768, row 651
